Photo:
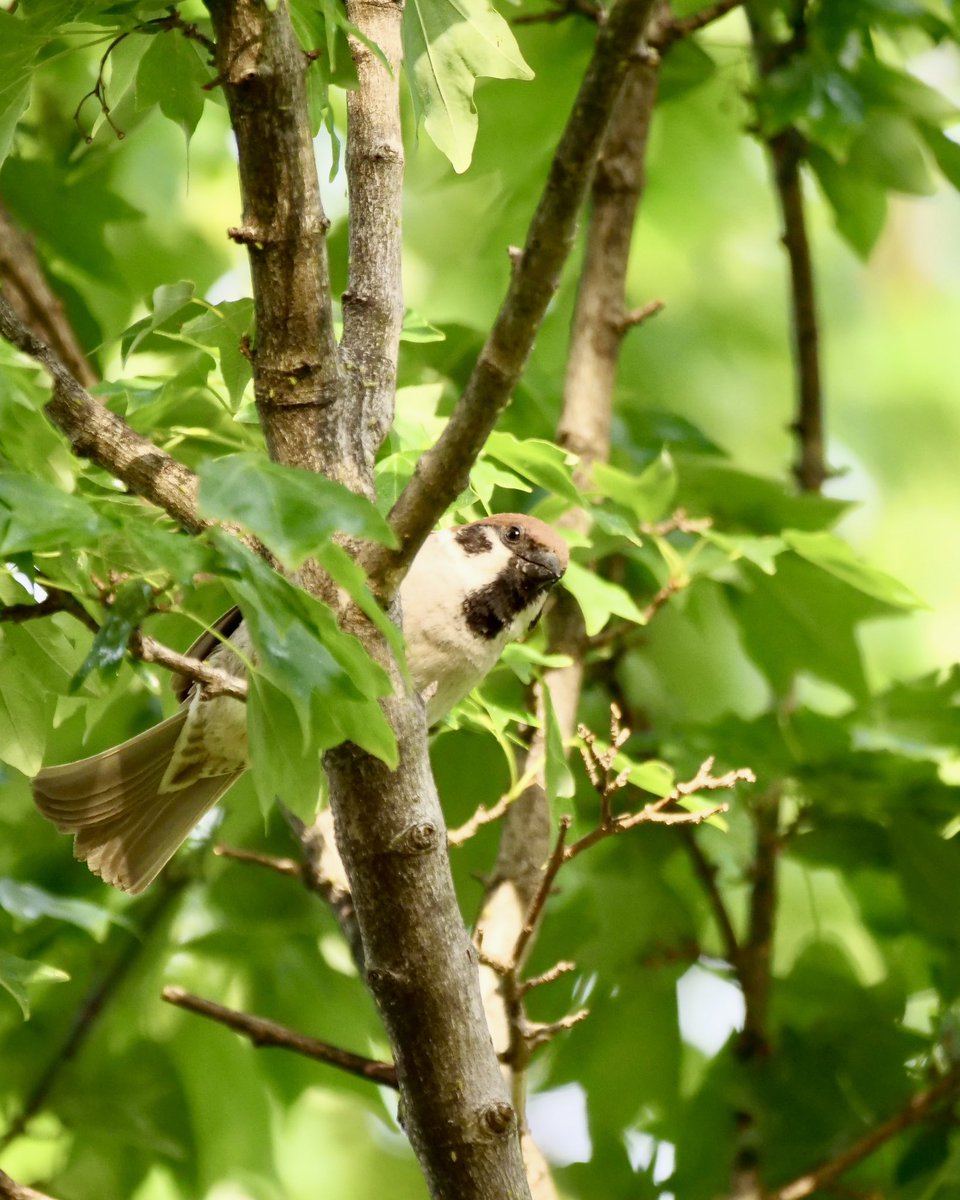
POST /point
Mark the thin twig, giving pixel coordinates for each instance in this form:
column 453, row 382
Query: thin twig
column 684, row 27
column 265, row 1033
column 634, row 317
column 11, row 1190
column 654, row 812
column 706, row 872
column 280, row 866
column 53, row 602
column 539, row 1033
column 555, row 972
column 787, row 149
column 561, row 10
column 678, row 522
column 917, row 1109
column 485, row 816
column 213, row 680
column 31, row 296
column 557, row 859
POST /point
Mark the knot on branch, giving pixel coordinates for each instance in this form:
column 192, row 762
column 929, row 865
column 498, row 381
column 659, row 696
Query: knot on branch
column 499, row 1118
column 381, row 980
column 417, row 839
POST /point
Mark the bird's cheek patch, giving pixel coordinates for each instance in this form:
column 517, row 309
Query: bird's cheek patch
column 473, row 539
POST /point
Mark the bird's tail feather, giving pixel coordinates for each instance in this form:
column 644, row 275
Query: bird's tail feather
column 126, row 828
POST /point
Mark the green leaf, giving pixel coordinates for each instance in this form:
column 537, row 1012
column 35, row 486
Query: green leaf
column 167, row 301
column 831, row 553
column 225, row 328
column 295, row 512
column 25, row 708
column 859, row 204
column 418, row 329
column 650, row 776
column 327, row 679
column 131, row 604
column 36, row 664
column 172, row 75
column 285, row 766
column 945, row 150
column 448, row 44
column 739, row 501
column 541, row 462
column 804, row 619
column 599, row 599
column 14, row 97
column 17, row 975
column 649, row 494
column 890, row 151
column 37, row 516
column 761, row 551
column 346, row 572
column 687, row 66
column 929, row 867
column 557, row 775
column 29, row 903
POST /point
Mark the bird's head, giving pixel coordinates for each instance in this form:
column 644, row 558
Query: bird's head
column 510, row 562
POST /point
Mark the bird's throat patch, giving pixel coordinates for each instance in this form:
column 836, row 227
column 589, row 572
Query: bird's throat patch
column 490, row 609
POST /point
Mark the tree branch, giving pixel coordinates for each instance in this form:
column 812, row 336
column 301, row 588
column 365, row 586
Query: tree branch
column 676, row 29
column 298, row 383
column 373, row 301
column 265, row 1033
column 706, row 872
column 10, row 1190
column 917, row 1109
column 96, row 433
column 213, row 680
column 324, row 874
column 756, row 948
column 389, row 824
column 787, row 149
column 597, row 332
column 444, row 470
column 35, row 302
column 52, row 603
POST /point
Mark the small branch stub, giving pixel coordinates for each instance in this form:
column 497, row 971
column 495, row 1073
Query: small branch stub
column 499, row 1118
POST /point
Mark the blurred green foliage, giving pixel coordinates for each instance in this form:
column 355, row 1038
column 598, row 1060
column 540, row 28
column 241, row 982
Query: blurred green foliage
column 784, row 648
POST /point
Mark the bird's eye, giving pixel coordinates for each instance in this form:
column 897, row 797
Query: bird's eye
column 514, row 533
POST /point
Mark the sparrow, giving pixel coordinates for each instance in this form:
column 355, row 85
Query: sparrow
column 470, row 590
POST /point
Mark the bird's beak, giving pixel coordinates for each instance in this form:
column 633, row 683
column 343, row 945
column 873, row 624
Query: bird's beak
column 544, row 566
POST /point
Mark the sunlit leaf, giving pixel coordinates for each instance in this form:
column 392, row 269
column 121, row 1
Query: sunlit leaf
column 27, row 902
column 599, row 599
column 448, row 45
column 172, row 74
column 19, row 975
column 832, row 554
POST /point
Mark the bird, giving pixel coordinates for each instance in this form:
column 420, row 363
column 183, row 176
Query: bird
column 469, row 591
